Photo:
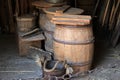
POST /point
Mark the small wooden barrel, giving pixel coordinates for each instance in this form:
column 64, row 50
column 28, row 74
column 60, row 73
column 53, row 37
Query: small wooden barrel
column 48, row 27
column 74, row 44
column 25, row 23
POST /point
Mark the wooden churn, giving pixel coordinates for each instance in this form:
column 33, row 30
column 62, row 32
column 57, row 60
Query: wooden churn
column 48, row 27
column 25, row 23
column 74, row 41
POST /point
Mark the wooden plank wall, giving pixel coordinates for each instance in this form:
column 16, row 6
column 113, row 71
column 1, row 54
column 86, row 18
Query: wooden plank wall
column 108, row 13
column 3, row 16
column 24, row 7
column 87, row 5
column 9, row 9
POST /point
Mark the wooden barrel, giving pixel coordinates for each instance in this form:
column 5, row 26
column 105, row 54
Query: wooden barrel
column 75, row 45
column 25, row 23
column 48, row 27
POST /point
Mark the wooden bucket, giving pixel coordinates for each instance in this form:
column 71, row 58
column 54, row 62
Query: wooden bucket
column 75, row 45
column 25, row 23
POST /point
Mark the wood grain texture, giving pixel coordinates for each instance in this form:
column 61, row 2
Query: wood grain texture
column 51, row 12
column 24, row 45
column 48, row 28
column 71, row 19
column 25, row 23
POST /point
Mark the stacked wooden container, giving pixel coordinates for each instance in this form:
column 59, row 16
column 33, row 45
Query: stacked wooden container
column 48, row 27
column 68, row 34
column 26, row 37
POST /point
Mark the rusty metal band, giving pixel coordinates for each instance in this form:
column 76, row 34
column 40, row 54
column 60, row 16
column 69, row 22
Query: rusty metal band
column 80, row 64
column 67, row 26
column 49, row 32
column 75, row 43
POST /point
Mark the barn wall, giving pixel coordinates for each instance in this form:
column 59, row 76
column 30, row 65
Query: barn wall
column 87, row 5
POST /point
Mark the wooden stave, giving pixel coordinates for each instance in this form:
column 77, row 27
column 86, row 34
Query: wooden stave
column 60, row 51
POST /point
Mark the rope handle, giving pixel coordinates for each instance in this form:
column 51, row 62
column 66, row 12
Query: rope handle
column 50, row 70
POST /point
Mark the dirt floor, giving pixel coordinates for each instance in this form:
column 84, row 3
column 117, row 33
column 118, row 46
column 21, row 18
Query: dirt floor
column 14, row 67
column 106, row 62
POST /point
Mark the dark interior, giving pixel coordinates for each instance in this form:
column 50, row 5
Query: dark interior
column 106, row 29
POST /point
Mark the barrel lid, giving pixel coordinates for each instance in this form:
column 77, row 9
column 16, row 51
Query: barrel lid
column 26, row 18
column 44, row 4
column 72, row 19
column 71, row 10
